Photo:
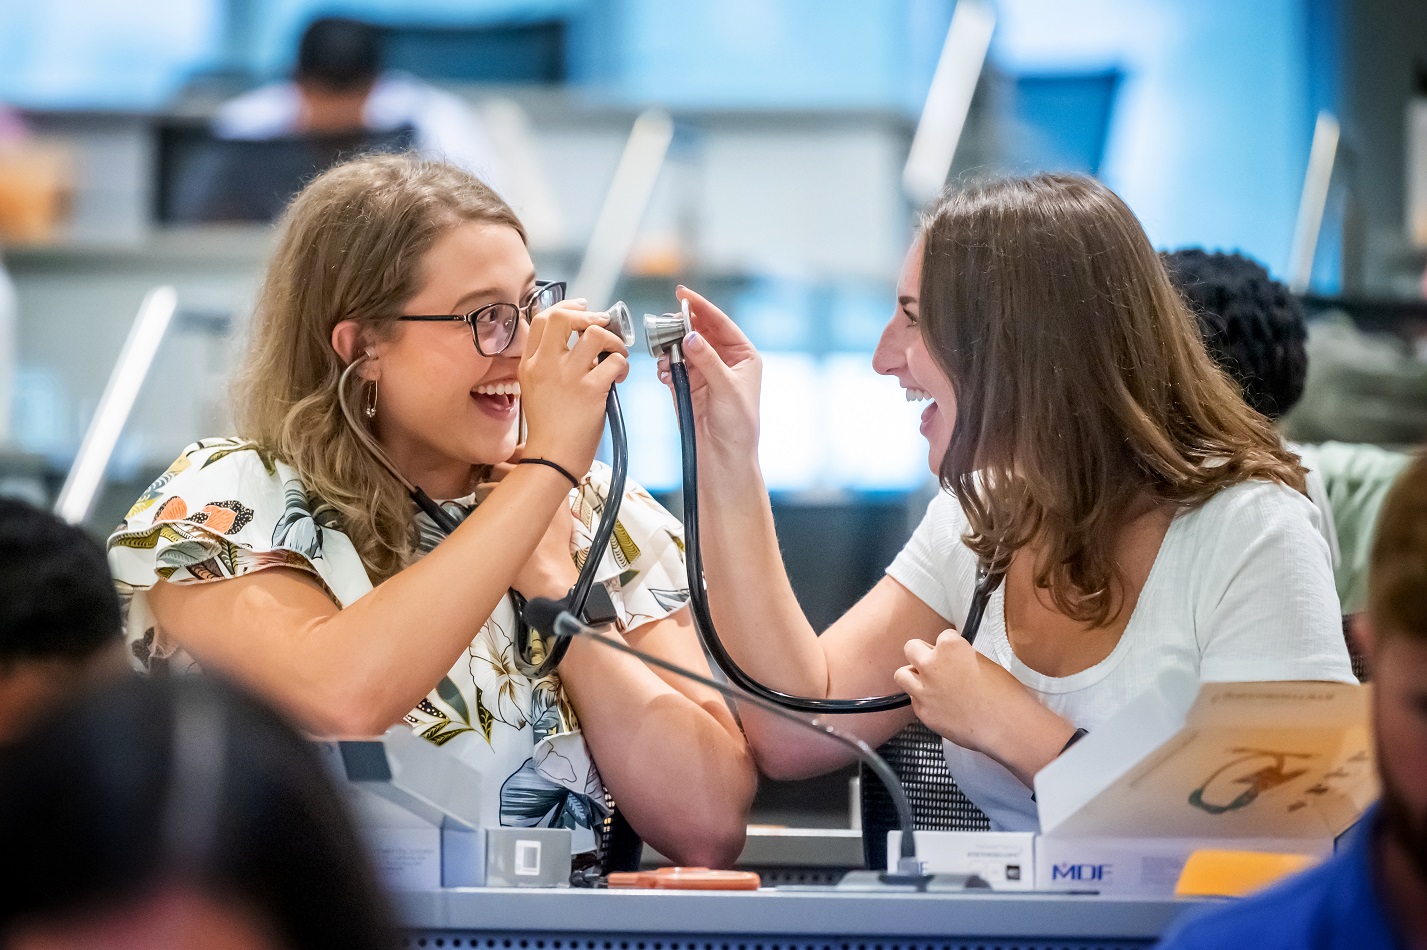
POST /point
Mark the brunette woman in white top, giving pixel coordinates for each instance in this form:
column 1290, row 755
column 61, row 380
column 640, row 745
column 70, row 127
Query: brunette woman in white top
column 1146, row 519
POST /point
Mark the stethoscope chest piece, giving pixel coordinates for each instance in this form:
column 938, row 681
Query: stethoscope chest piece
column 665, row 331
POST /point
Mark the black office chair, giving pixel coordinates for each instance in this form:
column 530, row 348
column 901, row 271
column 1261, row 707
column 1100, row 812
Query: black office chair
column 623, row 848
column 1355, row 656
column 915, row 754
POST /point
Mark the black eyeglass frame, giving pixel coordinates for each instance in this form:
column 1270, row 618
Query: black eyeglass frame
column 526, row 310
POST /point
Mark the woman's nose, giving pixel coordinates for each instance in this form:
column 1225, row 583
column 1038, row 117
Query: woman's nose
column 517, row 343
column 890, row 354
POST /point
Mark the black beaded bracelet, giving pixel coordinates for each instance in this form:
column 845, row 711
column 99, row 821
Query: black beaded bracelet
column 555, row 465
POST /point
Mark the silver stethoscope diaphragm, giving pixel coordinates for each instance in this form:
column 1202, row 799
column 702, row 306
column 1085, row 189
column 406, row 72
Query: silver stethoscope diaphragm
column 665, row 331
column 621, row 324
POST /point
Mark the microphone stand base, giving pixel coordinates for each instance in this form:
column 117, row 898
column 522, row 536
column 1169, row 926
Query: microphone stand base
column 883, row 880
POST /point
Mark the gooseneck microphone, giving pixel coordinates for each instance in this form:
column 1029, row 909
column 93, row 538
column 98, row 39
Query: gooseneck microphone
column 552, row 619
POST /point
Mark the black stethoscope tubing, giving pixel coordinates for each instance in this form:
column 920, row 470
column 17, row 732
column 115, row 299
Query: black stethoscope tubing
column 986, row 583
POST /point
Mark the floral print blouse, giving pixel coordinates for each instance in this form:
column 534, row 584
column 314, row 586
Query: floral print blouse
column 225, row 509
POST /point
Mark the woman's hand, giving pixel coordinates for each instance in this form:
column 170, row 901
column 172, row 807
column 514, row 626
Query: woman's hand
column 563, row 387
column 725, row 378
column 968, row 698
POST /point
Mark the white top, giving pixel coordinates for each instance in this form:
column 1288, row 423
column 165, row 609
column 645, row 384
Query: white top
column 226, row 509
column 446, row 127
column 1242, row 589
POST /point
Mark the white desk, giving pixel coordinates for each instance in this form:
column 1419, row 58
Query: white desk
column 777, row 919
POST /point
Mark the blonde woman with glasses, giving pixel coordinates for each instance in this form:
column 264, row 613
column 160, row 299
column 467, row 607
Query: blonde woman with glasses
column 293, row 559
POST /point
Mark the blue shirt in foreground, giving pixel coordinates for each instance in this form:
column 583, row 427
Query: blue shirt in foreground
column 1333, row 905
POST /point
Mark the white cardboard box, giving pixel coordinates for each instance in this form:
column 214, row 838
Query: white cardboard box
column 405, row 849
column 1284, row 767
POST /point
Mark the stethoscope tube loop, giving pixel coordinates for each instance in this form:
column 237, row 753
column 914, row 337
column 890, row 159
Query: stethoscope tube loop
column 698, row 597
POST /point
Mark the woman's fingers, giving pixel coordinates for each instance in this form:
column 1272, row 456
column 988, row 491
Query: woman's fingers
column 551, row 329
column 712, row 322
column 704, row 312
column 594, row 341
column 706, row 360
column 611, row 370
column 906, row 679
column 917, row 652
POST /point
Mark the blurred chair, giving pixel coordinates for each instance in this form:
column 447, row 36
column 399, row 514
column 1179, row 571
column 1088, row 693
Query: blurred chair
column 1061, row 121
column 532, row 52
column 915, row 754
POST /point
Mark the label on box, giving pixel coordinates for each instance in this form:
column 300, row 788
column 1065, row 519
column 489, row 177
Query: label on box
column 407, row 859
column 1139, row 867
column 405, row 849
column 1003, row 859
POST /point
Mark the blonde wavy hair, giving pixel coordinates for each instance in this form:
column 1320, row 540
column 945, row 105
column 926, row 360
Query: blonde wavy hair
column 350, row 247
column 1082, row 385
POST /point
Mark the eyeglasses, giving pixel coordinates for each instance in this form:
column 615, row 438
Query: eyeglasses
column 493, row 326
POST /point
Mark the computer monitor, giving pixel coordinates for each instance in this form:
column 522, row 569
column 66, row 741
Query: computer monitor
column 204, row 179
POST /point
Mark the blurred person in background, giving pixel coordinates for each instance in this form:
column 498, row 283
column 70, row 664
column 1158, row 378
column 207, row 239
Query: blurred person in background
column 1142, row 517
column 339, row 86
column 293, row 559
column 1256, row 330
column 179, row 813
column 60, row 625
column 1373, row 892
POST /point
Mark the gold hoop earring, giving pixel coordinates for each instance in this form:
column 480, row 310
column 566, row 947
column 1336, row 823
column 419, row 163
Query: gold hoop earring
column 371, row 409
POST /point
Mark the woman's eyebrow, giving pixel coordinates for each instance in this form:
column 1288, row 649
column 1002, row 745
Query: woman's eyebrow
column 485, row 295
column 904, row 301
column 475, row 298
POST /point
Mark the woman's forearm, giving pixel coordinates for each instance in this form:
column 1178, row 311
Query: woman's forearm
column 764, row 628
column 1029, row 740
column 410, row 629
column 750, row 597
column 359, row 669
column 678, row 768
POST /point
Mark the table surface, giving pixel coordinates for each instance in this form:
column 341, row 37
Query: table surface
column 789, row 912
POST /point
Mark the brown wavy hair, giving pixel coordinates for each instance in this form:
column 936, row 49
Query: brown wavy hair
column 1083, row 387
column 350, row 247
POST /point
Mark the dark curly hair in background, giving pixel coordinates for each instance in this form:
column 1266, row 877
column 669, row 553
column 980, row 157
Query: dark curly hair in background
column 1253, row 327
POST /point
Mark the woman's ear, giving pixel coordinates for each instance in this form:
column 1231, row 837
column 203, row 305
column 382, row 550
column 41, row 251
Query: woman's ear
column 347, row 341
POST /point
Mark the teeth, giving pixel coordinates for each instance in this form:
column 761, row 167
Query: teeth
column 918, row 395
column 499, row 389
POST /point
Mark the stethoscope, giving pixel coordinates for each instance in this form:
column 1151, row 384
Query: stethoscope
column 535, row 656
column 664, row 335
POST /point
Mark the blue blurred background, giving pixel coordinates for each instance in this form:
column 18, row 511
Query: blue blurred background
column 781, row 197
